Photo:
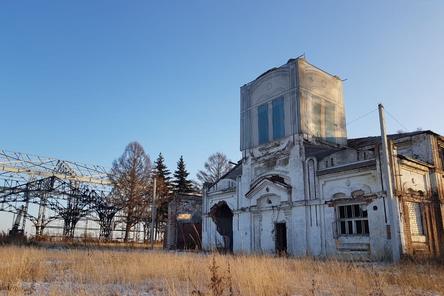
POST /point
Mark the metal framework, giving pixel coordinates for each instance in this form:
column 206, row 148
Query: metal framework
column 25, row 165
column 59, row 189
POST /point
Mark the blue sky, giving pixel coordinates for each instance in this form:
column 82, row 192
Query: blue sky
column 81, row 79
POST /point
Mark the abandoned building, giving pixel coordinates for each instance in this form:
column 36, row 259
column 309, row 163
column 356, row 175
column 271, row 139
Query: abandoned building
column 184, row 229
column 302, row 187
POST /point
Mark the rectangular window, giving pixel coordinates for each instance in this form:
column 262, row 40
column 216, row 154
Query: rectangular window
column 278, row 118
column 262, row 114
column 352, row 220
column 416, row 225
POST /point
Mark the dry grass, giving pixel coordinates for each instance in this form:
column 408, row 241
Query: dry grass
column 33, row 271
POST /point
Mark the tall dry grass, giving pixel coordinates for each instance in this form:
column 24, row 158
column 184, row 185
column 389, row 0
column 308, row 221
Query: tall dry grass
column 25, row 270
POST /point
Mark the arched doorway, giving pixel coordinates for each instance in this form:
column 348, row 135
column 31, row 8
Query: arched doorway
column 223, row 218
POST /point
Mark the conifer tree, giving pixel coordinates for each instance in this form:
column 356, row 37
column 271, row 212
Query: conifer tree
column 181, row 183
column 163, row 175
column 163, row 187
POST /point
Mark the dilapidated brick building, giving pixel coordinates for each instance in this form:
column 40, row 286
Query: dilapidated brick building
column 417, row 162
column 304, row 188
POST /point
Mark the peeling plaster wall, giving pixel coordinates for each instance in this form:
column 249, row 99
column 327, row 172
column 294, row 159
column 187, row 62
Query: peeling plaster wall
column 417, row 147
column 307, row 191
column 309, row 207
column 415, row 179
column 257, row 210
column 343, row 157
column 285, row 160
column 270, row 86
column 210, row 237
column 313, row 104
column 423, row 176
column 345, row 183
column 322, row 113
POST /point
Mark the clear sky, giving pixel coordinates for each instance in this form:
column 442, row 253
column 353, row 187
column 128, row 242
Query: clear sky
column 81, row 79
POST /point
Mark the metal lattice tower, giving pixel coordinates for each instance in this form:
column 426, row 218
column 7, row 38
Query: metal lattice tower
column 69, row 189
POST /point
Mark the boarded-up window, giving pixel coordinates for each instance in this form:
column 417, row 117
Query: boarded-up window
column 278, row 118
column 262, row 112
column 416, row 221
column 352, row 220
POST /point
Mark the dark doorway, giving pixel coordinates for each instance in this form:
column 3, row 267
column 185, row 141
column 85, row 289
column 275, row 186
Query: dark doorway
column 281, row 238
column 223, row 218
column 189, row 236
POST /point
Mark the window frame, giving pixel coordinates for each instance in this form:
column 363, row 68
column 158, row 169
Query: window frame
column 417, row 209
column 351, row 220
column 263, row 135
column 278, row 116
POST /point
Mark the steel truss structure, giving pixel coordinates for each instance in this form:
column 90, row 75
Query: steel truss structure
column 59, row 189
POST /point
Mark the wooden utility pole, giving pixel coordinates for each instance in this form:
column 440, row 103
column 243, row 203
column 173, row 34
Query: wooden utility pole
column 393, row 231
column 153, row 214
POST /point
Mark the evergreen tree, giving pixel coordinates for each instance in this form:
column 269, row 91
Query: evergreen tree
column 181, row 183
column 163, row 175
column 163, row 187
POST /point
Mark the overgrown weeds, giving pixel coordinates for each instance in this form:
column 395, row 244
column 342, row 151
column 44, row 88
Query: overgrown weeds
column 219, row 284
column 107, row 272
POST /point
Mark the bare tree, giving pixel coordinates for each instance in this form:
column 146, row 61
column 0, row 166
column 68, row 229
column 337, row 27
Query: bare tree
column 215, row 167
column 131, row 177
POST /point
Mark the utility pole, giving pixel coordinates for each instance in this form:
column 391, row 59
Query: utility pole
column 393, row 228
column 153, row 214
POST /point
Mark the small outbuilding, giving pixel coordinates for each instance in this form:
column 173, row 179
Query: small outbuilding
column 184, row 229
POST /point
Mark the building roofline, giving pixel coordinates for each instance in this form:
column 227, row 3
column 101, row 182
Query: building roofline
column 224, row 175
column 302, row 58
column 376, row 139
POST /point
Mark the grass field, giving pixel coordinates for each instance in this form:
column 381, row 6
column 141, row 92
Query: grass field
column 43, row 271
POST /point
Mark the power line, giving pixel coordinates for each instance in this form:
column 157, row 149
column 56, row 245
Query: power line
column 394, row 118
column 361, row 117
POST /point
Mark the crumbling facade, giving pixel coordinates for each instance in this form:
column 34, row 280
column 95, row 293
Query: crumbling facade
column 303, row 188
